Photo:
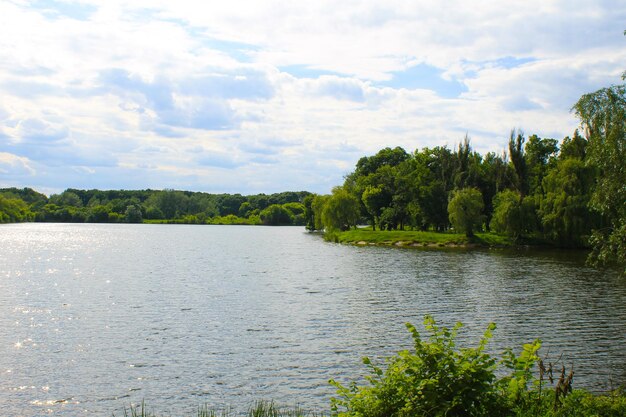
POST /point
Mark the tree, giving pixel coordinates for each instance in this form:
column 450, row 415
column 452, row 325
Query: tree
column 318, row 206
column 275, row 215
column 603, row 117
column 296, row 213
column 516, row 151
column 512, row 215
column 98, row 214
column 390, row 157
column 133, row 214
column 564, row 210
column 309, row 216
column 576, row 147
column 465, row 210
column 539, row 155
column 495, row 177
column 375, row 201
column 14, row 210
column 341, row 211
column 66, row 198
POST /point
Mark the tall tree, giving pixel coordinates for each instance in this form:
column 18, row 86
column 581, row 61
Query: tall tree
column 465, row 210
column 341, row 211
column 539, row 155
column 516, row 151
column 564, row 210
column 603, row 117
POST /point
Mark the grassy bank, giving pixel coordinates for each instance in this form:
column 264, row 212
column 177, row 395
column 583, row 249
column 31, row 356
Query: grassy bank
column 414, row 238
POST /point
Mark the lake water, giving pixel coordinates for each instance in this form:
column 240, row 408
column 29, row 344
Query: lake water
column 96, row 317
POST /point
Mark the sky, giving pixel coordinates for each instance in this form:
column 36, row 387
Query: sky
column 268, row 96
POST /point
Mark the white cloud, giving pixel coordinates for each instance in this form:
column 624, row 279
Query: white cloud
column 171, row 94
column 15, row 166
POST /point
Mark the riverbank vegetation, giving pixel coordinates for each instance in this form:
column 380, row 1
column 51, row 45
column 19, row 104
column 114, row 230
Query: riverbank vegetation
column 567, row 193
column 151, row 206
column 419, row 238
column 438, row 378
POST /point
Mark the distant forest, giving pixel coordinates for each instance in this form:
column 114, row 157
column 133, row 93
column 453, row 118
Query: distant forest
column 151, row 206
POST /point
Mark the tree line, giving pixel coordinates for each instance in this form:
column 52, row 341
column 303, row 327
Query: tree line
column 157, row 206
column 570, row 193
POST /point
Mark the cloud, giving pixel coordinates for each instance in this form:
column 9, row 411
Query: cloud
column 242, row 84
column 40, row 132
column 15, row 166
column 520, row 103
column 30, row 89
column 217, row 160
column 285, row 95
column 62, row 9
column 340, row 88
column 197, row 102
column 424, row 76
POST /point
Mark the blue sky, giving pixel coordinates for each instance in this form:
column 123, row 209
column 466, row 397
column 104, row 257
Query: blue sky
column 270, row 96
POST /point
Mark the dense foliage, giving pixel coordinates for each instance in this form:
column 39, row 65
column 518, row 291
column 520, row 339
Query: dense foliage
column 570, row 194
column 163, row 206
column 437, row 378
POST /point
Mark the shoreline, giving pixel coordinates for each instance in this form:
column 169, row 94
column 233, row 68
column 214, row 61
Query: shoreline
column 436, row 240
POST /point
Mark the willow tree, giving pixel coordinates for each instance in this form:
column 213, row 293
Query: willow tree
column 603, row 117
column 341, row 210
column 465, row 210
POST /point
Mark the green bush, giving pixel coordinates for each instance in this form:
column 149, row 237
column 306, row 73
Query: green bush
column 439, row 379
column 436, row 379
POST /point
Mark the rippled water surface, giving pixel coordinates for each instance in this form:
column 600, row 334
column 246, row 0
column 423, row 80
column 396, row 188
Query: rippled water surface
column 96, row 317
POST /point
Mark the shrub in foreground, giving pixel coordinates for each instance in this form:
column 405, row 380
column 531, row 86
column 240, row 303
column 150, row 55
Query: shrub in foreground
column 439, row 379
column 436, row 379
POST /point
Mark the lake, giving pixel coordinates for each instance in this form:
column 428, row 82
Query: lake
column 96, row 317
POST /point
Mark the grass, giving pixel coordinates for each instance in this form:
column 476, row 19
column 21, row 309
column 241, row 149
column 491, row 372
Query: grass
column 420, row 238
column 579, row 403
column 258, row 409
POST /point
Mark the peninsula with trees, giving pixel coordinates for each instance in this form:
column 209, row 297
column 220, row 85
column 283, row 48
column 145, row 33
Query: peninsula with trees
column 569, row 193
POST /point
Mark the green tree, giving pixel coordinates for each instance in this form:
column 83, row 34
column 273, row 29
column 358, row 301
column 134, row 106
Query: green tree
column 296, row 213
column 309, row 215
column 385, row 157
column 66, row 198
column 516, row 151
column 245, row 209
column 275, row 215
column 539, row 154
column 133, row 214
column 374, row 200
column 171, row 203
column 98, row 214
column 14, row 210
column 512, row 214
column 576, row 147
column 603, row 118
column 341, row 211
column 564, row 210
column 318, row 206
column 465, row 210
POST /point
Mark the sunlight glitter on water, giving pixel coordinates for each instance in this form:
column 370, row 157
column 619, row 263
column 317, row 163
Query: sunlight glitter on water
column 229, row 315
